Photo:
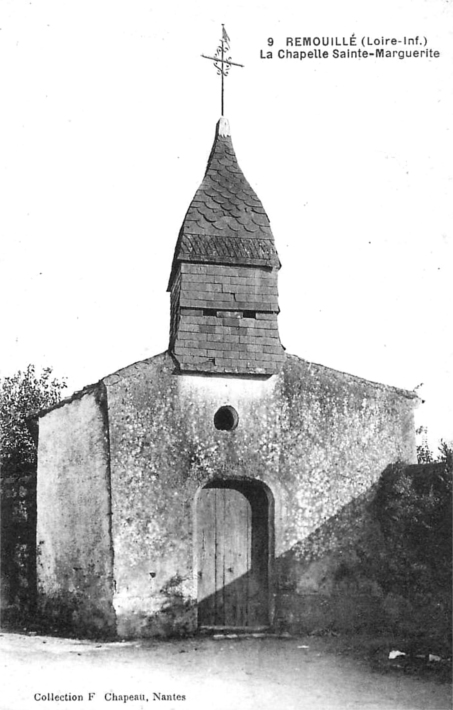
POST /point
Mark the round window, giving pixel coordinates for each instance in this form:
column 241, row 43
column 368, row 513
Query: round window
column 226, row 418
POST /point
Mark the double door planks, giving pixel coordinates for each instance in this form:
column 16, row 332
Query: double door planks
column 232, row 558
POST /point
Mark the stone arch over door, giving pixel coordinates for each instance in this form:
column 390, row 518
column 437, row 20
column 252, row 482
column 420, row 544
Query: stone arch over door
column 234, row 554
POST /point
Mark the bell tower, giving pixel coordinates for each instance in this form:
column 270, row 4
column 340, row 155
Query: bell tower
column 223, row 282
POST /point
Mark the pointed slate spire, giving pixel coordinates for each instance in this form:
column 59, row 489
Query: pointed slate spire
column 224, row 275
column 226, row 222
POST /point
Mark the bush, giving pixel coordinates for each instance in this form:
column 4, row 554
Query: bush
column 22, row 396
column 413, row 506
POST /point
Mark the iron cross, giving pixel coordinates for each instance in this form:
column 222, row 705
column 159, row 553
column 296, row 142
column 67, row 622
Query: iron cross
column 222, row 63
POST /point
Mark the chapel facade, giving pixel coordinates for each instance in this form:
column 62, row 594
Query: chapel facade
column 221, row 484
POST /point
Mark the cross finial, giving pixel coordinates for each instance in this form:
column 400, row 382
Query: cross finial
column 222, row 63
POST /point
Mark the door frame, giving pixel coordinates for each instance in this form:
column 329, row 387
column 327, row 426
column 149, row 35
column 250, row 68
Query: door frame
column 229, row 482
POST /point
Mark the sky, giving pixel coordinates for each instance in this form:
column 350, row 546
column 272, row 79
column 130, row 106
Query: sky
column 108, row 117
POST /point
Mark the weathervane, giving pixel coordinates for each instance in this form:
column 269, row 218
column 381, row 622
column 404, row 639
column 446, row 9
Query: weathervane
column 222, row 63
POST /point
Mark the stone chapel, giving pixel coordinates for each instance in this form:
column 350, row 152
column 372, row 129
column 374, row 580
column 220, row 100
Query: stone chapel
column 220, row 484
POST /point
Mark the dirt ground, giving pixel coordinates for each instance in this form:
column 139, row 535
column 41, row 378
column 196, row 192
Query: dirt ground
column 219, row 674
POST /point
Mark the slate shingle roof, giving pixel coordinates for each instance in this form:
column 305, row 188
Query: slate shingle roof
column 226, row 222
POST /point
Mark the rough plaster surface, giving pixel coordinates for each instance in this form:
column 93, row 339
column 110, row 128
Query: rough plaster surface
column 73, row 530
column 319, row 440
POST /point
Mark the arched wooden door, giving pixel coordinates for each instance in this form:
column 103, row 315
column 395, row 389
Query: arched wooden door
column 233, row 556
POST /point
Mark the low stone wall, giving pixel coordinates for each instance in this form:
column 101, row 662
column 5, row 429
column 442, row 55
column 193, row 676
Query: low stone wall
column 18, row 543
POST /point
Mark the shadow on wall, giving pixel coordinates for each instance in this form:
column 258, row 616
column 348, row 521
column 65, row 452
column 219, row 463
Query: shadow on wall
column 325, row 582
column 381, row 563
